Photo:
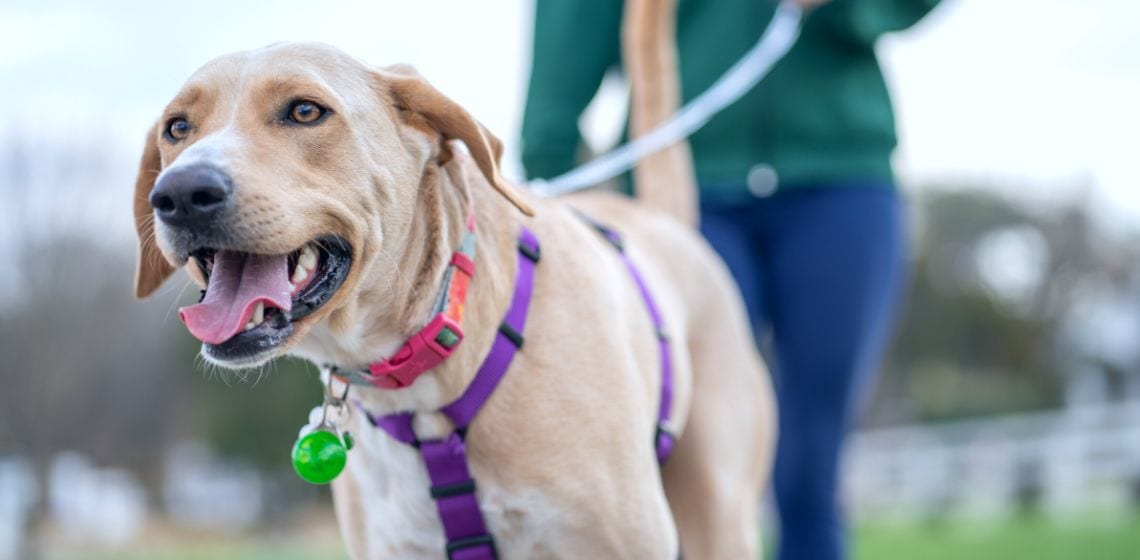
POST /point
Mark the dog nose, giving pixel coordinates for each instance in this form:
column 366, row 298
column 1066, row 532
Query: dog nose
column 191, row 196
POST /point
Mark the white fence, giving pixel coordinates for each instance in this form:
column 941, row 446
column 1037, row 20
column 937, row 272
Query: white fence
column 1080, row 460
column 1067, row 463
column 17, row 496
column 107, row 507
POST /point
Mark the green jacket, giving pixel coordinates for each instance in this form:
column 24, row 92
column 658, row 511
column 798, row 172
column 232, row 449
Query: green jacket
column 822, row 114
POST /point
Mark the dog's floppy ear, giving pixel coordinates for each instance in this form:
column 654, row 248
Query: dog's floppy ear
column 153, row 268
column 422, row 104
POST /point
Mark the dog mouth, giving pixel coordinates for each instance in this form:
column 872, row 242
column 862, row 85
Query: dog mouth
column 252, row 301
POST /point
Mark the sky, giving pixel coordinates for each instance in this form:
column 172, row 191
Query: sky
column 1015, row 92
column 1042, row 90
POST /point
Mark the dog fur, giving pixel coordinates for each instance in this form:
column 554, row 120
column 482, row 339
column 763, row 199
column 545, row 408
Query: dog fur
column 562, row 451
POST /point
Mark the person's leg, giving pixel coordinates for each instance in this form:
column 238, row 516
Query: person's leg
column 725, row 226
column 834, row 269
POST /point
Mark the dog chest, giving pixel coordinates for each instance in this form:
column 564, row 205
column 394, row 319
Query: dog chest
column 393, row 514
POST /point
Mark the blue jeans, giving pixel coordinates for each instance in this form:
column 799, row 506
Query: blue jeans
column 821, row 271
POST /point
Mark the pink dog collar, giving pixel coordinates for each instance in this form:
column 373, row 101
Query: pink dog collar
column 435, row 342
column 423, row 351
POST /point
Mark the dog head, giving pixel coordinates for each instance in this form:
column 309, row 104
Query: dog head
column 285, row 178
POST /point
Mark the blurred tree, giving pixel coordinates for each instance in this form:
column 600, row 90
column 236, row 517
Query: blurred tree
column 968, row 345
column 256, row 416
column 83, row 368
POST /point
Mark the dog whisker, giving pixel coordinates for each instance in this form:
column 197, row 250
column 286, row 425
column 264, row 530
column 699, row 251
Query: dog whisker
column 261, row 374
column 174, row 303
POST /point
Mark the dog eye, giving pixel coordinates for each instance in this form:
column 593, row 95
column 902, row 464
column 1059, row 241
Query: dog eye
column 305, row 112
column 177, row 129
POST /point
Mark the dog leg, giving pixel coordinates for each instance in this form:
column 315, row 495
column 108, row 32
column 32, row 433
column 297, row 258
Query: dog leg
column 722, row 463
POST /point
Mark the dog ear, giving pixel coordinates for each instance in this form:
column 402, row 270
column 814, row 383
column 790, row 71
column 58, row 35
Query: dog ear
column 422, row 104
column 153, row 268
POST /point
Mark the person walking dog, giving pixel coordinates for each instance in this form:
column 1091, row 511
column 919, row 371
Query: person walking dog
column 797, row 195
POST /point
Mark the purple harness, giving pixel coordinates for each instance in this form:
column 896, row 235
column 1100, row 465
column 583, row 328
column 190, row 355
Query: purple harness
column 452, row 487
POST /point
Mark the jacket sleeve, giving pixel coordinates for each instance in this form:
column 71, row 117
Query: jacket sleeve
column 863, row 21
column 575, row 43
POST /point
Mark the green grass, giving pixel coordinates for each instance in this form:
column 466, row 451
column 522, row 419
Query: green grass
column 1017, row 539
column 1022, row 538
column 216, row 551
column 312, row 538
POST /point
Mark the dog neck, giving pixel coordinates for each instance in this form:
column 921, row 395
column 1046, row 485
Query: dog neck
column 387, row 315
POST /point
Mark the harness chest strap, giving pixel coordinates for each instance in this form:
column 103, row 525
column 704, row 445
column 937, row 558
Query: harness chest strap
column 452, row 487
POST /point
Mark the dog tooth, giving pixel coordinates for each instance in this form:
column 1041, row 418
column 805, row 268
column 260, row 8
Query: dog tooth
column 249, row 326
column 299, row 274
column 292, row 287
column 308, row 258
column 258, row 313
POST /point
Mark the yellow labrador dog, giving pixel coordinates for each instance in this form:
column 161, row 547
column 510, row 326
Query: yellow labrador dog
column 319, row 201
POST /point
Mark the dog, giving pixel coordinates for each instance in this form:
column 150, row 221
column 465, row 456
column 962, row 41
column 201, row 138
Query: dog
column 318, row 200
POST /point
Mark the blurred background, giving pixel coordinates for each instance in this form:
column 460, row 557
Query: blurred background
column 1007, row 422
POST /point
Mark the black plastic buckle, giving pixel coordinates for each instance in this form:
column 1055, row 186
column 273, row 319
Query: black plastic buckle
column 613, row 237
column 663, row 433
column 512, row 334
column 449, row 490
column 458, row 545
column 532, row 253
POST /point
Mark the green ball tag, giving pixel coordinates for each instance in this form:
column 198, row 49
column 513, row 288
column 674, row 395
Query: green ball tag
column 319, row 456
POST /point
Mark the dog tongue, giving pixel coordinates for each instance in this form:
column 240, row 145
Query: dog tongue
column 237, row 282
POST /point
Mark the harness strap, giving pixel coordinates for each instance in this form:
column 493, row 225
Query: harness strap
column 464, row 409
column 453, row 490
column 663, row 440
column 452, row 487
